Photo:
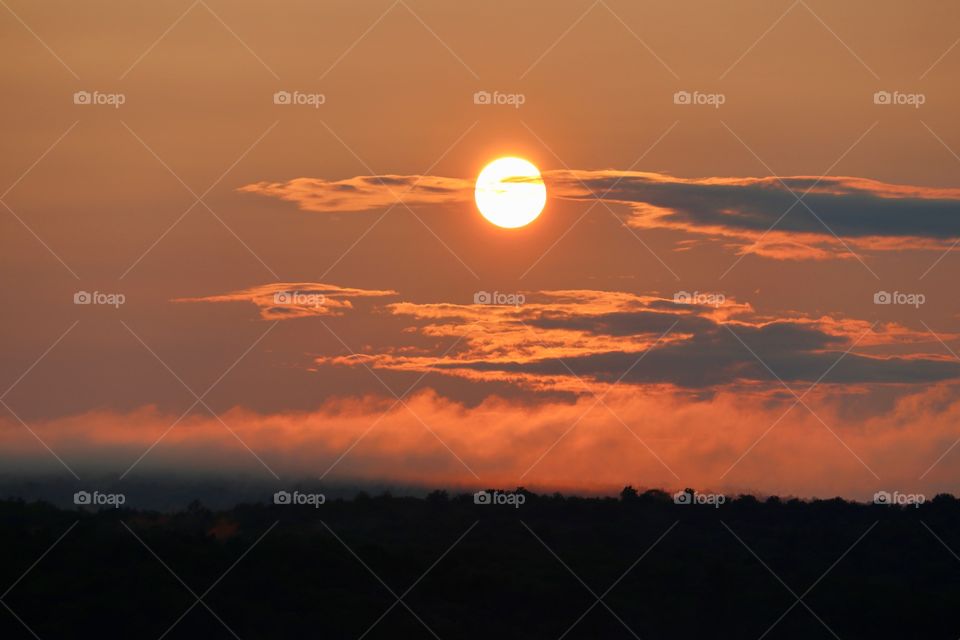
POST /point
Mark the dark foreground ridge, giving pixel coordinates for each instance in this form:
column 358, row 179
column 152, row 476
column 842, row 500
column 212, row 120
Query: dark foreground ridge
column 641, row 566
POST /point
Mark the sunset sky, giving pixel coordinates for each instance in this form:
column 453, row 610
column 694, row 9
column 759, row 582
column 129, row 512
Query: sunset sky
column 753, row 291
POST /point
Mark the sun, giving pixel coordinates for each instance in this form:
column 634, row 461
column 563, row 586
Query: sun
column 510, row 192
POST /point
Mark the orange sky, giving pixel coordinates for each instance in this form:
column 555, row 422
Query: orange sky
column 200, row 199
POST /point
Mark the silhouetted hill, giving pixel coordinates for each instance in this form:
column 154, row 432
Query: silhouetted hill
column 467, row 570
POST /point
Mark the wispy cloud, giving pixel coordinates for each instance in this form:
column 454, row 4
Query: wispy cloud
column 364, row 193
column 562, row 340
column 283, row 300
column 362, row 438
column 764, row 216
column 760, row 215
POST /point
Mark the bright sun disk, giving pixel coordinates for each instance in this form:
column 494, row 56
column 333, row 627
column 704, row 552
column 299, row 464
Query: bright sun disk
column 510, row 192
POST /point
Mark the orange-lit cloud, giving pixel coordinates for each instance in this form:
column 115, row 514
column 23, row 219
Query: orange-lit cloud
column 364, row 193
column 649, row 438
column 580, row 341
column 283, row 300
column 798, row 217
column 790, row 218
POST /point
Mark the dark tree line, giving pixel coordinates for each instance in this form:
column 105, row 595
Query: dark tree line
column 678, row 571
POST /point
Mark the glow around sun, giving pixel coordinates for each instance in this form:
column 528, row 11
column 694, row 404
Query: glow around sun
column 510, row 192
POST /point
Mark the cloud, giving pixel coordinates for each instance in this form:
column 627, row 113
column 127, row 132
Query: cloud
column 838, row 214
column 649, row 439
column 581, row 341
column 285, row 300
column 364, row 193
column 577, row 340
